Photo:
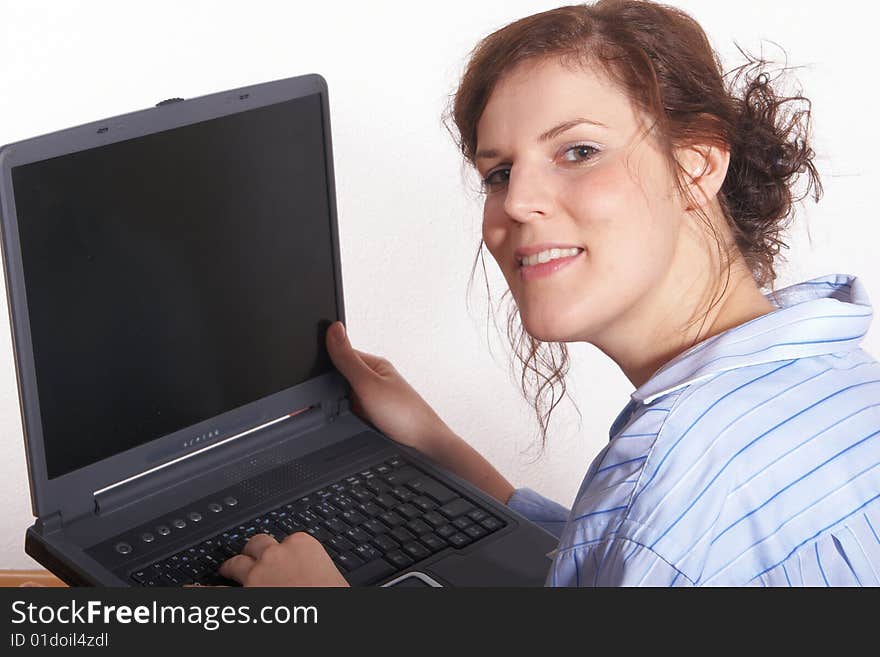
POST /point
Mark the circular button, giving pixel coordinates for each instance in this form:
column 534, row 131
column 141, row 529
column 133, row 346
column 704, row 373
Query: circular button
column 147, row 537
column 195, row 516
column 230, row 501
column 163, row 530
column 179, row 523
column 215, row 508
column 123, row 548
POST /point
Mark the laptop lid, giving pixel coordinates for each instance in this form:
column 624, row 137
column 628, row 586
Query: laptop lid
column 171, row 274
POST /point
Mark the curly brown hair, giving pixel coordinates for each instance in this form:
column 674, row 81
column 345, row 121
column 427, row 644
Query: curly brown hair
column 661, row 58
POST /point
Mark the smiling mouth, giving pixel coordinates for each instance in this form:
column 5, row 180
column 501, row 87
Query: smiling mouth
column 547, row 256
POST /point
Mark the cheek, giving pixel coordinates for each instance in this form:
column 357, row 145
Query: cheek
column 607, row 209
column 495, row 225
column 625, row 232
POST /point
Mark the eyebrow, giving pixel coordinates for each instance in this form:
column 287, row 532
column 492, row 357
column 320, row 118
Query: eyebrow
column 550, row 134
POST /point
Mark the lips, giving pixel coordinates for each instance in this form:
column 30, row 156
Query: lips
column 540, row 270
column 532, row 249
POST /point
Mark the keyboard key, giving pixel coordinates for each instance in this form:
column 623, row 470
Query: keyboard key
column 492, row 523
column 193, row 570
column 403, row 494
column 375, row 527
column 357, row 535
column 401, row 476
column 387, row 500
column 391, row 519
column 418, row 526
column 395, row 461
column 377, row 485
column 462, row 522
column 408, row 511
column 433, row 489
column 367, row 552
column 382, row 469
column 425, row 503
column 340, row 544
column 446, row 531
column 434, row 542
column 398, row 558
column 343, row 502
column 140, row 577
column 477, row 515
column 320, row 533
column 307, row 518
column 385, row 543
column 369, row 509
column 326, row 510
column 275, row 532
column 401, row 534
column 362, row 494
column 416, row 550
column 173, row 578
column 290, row 527
column 435, row 519
column 475, row 531
column 337, row 526
column 456, row 508
column 458, row 540
column 352, row 517
column 349, row 560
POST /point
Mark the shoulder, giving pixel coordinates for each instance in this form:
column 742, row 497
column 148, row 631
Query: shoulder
column 692, row 480
column 747, row 462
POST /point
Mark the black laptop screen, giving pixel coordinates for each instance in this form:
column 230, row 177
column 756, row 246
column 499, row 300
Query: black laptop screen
column 173, row 277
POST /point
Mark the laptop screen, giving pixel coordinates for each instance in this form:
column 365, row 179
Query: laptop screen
column 176, row 276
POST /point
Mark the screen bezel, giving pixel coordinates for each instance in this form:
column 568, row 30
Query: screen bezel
column 72, row 493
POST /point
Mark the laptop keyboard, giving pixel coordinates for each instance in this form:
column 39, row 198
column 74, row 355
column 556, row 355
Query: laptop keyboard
column 373, row 524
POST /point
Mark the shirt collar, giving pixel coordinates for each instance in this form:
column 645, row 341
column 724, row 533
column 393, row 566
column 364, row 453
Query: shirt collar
column 824, row 315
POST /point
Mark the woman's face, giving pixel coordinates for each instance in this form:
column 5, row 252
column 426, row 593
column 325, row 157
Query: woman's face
column 566, row 165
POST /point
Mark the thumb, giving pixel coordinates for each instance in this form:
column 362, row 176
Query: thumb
column 343, row 356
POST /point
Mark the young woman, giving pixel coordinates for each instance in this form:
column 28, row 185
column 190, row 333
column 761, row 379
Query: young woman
column 634, row 202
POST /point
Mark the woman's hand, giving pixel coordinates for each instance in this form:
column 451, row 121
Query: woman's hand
column 382, row 396
column 299, row 560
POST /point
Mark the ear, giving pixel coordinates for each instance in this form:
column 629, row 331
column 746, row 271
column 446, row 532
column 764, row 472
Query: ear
column 705, row 169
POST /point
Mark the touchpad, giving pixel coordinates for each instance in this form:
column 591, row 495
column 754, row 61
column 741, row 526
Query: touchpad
column 414, row 578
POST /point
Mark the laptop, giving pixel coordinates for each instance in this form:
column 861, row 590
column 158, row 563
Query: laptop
column 171, row 275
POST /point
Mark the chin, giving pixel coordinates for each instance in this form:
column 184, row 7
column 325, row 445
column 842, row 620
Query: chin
column 547, row 331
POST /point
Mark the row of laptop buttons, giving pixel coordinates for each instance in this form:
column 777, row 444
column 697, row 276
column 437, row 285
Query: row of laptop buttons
column 177, row 523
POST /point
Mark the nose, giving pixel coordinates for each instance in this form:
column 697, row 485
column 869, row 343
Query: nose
column 528, row 194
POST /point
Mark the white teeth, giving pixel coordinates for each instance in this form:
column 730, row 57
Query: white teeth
column 548, row 255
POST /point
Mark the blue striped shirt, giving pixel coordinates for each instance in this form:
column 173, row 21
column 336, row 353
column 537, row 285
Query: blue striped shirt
column 749, row 459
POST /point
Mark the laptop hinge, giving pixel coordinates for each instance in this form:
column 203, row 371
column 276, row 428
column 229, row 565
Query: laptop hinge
column 50, row 523
column 334, row 407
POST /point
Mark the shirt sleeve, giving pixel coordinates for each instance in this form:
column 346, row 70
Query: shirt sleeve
column 544, row 512
column 612, row 562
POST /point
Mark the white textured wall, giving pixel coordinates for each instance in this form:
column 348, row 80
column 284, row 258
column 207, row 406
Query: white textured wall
column 409, row 220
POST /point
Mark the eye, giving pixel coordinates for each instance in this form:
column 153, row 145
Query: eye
column 496, row 179
column 579, row 153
